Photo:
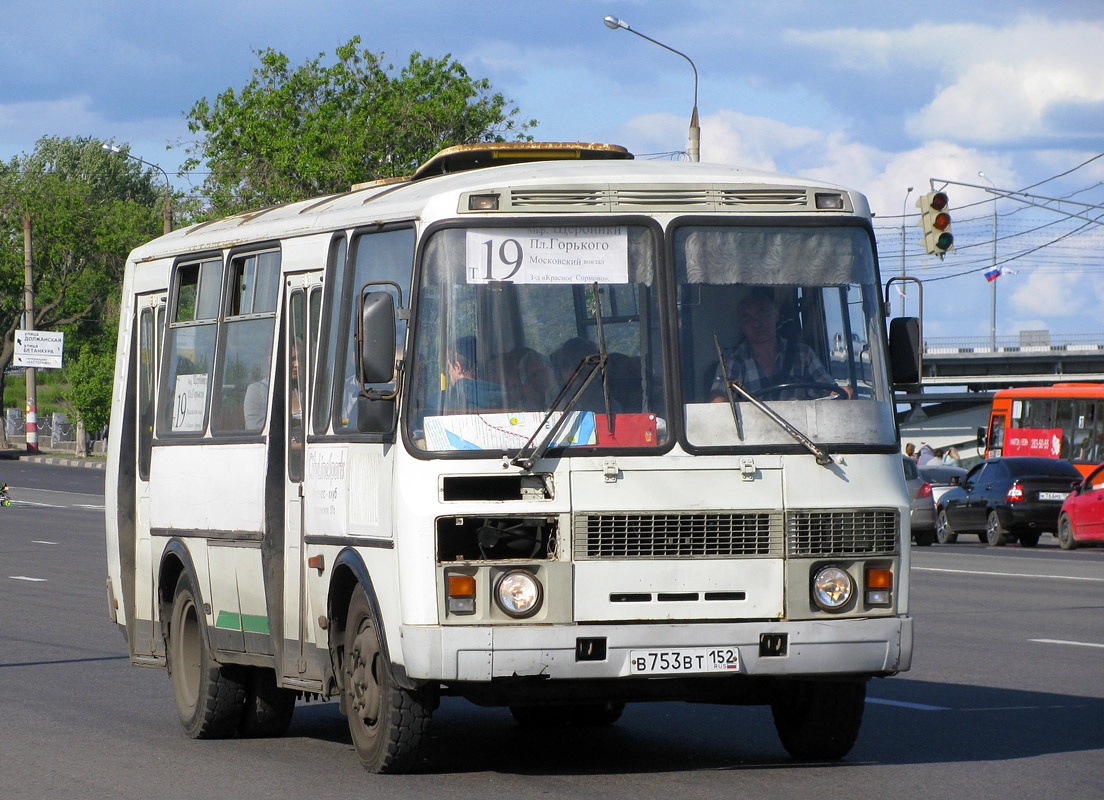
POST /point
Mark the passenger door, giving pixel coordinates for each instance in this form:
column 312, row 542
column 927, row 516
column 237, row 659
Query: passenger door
column 151, row 311
column 302, row 301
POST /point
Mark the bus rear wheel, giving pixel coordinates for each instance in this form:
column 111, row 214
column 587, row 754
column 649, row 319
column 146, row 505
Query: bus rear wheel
column 387, row 723
column 210, row 697
column 818, row 720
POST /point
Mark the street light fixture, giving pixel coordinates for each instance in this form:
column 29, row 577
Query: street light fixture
column 992, row 283
column 693, row 147
column 904, row 203
column 167, row 213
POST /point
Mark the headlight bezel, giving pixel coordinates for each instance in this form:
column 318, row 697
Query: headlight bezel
column 828, row 579
column 508, row 609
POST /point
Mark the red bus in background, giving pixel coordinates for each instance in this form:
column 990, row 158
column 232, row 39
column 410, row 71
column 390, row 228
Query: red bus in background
column 1063, row 421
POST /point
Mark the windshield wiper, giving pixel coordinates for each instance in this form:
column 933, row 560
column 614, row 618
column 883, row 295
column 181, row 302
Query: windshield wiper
column 584, row 373
column 569, row 395
column 731, row 384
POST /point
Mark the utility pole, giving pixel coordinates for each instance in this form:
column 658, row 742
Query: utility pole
column 28, row 325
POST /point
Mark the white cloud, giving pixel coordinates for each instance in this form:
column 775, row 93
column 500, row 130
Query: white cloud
column 993, row 84
column 1050, row 294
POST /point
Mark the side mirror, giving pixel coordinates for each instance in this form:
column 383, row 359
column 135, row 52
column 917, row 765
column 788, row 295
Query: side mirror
column 904, row 351
column 981, row 443
column 376, row 337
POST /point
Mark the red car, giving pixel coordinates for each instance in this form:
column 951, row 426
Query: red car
column 1082, row 515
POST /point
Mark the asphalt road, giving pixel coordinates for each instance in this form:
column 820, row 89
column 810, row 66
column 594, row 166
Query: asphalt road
column 1005, row 698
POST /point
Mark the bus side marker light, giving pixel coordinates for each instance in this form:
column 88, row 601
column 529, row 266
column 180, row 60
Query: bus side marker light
column 317, row 562
column 483, row 202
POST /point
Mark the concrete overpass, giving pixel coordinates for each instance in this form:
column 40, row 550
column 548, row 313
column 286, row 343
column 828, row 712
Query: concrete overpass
column 961, row 374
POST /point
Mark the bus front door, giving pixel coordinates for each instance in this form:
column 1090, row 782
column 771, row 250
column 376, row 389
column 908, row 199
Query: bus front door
column 302, row 304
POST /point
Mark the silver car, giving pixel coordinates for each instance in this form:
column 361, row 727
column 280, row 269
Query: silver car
column 922, row 504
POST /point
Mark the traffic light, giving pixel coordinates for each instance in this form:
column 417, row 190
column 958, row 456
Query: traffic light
column 935, row 219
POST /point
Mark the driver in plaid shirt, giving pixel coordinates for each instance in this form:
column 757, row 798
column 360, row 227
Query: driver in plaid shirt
column 765, row 359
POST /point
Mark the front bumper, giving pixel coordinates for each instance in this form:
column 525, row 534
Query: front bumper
column 867, row 646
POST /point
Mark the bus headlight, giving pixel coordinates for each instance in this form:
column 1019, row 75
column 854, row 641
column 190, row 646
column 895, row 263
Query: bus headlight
column 519, row 594
column 832, row 588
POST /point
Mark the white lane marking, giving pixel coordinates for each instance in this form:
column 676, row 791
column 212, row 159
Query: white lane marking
column 903, row 704
column 81, row 505
column 1066, row 641
column 41, row 541
column 1008, row 574
column 25, row 578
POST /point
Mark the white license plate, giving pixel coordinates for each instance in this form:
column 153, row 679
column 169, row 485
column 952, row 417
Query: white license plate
column 684, row 660
column 1059, row 496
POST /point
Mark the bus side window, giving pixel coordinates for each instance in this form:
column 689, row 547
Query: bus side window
column 246, row 355
column 384, row 256
column 190, row 348
column 147, row 361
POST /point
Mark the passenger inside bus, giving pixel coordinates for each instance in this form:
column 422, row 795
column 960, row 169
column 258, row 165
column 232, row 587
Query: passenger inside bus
column 768, row 364
column 466, row 391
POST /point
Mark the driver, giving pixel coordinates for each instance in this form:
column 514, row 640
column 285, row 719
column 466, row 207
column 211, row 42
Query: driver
column 764, row 359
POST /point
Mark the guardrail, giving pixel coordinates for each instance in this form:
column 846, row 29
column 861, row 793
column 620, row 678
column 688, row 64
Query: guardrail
column 1049, row 343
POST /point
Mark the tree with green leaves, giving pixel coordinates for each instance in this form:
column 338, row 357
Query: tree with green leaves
column 294, row 133
column 87, row 210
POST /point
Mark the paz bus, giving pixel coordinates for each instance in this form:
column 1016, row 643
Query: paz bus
column 480, row 433
column 1063, row 421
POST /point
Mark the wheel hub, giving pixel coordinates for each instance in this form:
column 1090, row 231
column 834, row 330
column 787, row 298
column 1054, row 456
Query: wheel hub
column 364, row 678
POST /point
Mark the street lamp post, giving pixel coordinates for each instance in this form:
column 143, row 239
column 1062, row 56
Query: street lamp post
column 904, row 204
column 694, row 143
column 992, row 283
column 166, row 214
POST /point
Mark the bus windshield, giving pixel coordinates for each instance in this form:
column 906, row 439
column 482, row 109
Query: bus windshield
column 506, row 316
column 789, row 315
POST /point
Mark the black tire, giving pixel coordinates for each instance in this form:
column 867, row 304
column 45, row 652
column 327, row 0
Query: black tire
column 944, row 532
column 582, row 715
column 995, row 534
column 1065, row 533
column 387, row 723
column 1029, row 539
column 210, row 698
column 268, row 708
column 925, row 537
column 818, row 720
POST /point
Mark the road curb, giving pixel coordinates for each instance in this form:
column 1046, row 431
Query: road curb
column 63, row 461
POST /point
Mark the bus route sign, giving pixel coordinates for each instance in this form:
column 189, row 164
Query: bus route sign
column 39, row 349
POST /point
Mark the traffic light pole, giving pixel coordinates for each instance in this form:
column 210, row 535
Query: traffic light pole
column 28, row 325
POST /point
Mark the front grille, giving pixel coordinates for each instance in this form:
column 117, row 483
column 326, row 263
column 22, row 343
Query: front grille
column 598, row 536
column 841, row 533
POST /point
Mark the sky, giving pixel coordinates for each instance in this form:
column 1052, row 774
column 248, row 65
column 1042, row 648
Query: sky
column 891, row 99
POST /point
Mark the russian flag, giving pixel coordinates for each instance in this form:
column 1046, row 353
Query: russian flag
column 993, row 274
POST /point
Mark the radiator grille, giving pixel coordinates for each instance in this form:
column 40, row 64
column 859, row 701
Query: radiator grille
column 841, row 533
column 599, row 536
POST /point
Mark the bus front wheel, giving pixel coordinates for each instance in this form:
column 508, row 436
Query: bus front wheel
column 210, row 697
column 387, row 723
column 818, row 720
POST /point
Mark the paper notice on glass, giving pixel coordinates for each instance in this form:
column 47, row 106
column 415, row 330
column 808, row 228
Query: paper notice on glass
column 569, row 255
column 189, row 401
column 505, row 431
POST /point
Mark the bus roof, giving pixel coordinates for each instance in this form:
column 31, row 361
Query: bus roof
column 607, row 180
column 1083, row 390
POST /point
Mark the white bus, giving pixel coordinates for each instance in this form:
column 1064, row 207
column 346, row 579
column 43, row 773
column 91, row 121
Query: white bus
column 505, row 431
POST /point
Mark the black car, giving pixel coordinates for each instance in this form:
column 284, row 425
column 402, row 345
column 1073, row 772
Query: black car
column 1004, row 499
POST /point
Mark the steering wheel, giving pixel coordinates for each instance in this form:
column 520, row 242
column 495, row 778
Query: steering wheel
column 778, row 388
